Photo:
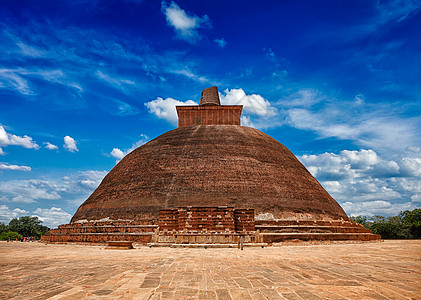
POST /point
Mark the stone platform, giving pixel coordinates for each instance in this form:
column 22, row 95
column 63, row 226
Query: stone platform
column 370, row 270
column 208, row 225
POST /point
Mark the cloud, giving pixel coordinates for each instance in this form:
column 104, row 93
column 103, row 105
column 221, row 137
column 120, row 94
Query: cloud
column 414, row 149
column 7, row 139
column 18, row 79
column 116, row 82
column 11, row 80
column 27, row 191
column 257, row 111
column 79, row 184
column 70, row 144
column 376, row 208
column 189, row 74
column 186, row 26
column 86, row 180
column 253, row 104
column 220, row 42
column 165, row 109
column 374, row 126
column 50, row 146
column 119, row 154
column 7, row 214
column 4, row 166
column 52, row 217
column 397, row 10
column 30, row 51
column 363, row 181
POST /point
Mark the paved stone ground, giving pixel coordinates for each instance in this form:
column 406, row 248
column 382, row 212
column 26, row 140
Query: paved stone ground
column 381, row 270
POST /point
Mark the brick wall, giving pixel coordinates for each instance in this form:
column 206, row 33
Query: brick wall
column 206, row 219
column 209, row 115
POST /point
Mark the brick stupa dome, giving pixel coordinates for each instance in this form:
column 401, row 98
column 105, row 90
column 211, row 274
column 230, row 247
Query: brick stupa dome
column 208, row 161
column 210, row 181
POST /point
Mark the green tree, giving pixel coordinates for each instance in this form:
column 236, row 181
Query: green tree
column 3, row 227
column 412, row 219
column 406, row 225
column 28, row 226
column 361, row 220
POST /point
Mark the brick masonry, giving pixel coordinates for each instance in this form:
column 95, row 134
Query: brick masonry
column 206, row 219
column 208, row 225
column 209, row 115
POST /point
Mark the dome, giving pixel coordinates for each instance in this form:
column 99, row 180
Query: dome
column 210, row 165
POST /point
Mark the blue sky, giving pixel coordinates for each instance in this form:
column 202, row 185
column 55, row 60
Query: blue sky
column 82, row 83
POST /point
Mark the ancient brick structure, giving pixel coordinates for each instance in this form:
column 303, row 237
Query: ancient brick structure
column 206, row 219
column 209, row 181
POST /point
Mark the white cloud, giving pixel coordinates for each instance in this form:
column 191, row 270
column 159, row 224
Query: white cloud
column 370, row 126
column 52, row 217
column 7, row 214
column 29, row 50
column 119, row 154
column 165, row 109
column 303, row 98
column 414, row 149
column 29, row 191
column 70, row 144
column 253, row 104
column 116, row 82
column 416, row 198
column 11, row 80
column 17, row 79
column 397, row 10
column 186, row 26
column 411, row 166
column 220, row 42
column 4, row 166
column 87, row 180
column 367, row 183
column 379, row 207
column 50, row 146
column 7, row 139
column 189, row 74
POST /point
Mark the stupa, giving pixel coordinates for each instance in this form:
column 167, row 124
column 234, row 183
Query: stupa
column 211, row 180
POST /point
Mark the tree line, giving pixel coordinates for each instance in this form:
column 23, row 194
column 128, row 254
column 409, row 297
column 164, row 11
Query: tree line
column 23, row 227
column 406, row 225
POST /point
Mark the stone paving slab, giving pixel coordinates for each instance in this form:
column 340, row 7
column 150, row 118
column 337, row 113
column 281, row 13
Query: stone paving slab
column 380, row 270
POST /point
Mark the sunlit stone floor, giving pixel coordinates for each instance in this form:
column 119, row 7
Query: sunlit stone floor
column 380, row 270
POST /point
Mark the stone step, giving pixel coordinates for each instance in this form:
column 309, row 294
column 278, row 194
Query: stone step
column 280, row 237
column 142, row 237
column 105, row 229
column 307, row 222
column 310, row 228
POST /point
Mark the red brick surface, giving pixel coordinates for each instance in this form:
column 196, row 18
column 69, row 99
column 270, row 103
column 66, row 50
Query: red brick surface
column 209, row 115
column 206, row 219
column 212, row 165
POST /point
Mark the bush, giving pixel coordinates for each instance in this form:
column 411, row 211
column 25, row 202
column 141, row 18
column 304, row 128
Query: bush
column 5, row 235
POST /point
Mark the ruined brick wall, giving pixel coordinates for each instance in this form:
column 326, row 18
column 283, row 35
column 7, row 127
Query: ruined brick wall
column 206, row 219
column 209, row 115
column 244, row 219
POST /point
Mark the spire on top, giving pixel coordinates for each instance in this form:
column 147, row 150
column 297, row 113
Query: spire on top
column 210, row 96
